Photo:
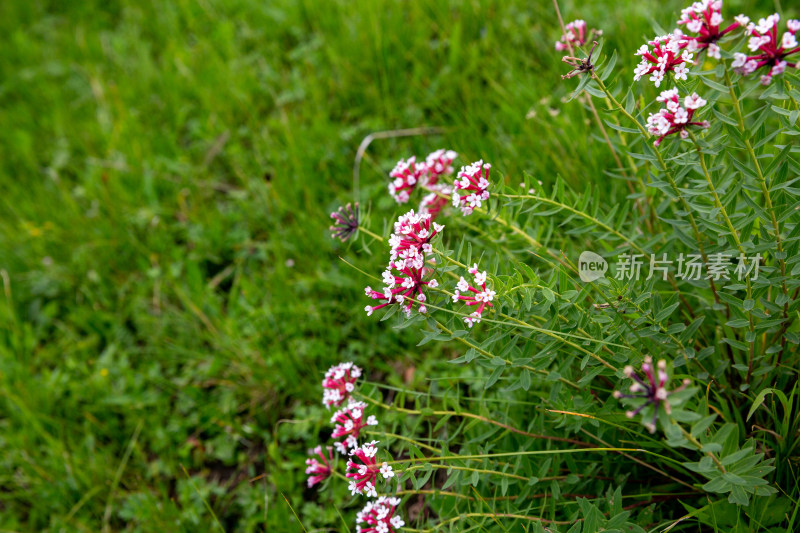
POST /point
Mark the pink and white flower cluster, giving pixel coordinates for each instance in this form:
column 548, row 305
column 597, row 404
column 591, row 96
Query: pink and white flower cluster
column 411, row 239
column 674, row 117
column 404, row 287
column 380, row 516
column 575, row 35
column 339, row 382
column 319, row 471
column 668, row 54
column 471, row 186
column 348, row 425
column 406, row 277
column 436, row 200
column 768, row 48
column 704, row 18
column 478, row 296
column 439, row 163
column 410, row 173
column 363, row 469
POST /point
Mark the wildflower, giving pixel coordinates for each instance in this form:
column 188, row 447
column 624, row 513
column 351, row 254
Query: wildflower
column 404, row 286
column 705, row 18
column 411, row 238
column 438, row 163
column 386, row 470
column 575, row 34
column 366, row 470
column 346, row 222
column 665, row 56
column 339, row 382
column 481, row 296
column 380, row 516
column 652, row 389
column 768, row 50
column 473, row 180
column 349, row 423
column 317, row 471
column 405, row 177
column 675, row 118
column 433, row 203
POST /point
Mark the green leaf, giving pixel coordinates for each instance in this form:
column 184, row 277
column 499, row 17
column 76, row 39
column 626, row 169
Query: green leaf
column 760, row 399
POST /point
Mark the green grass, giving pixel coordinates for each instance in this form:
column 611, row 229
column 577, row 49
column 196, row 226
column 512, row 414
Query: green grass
column 171, row 296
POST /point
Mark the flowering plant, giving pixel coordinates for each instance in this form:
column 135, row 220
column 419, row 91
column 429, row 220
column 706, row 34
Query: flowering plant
column 562, row 369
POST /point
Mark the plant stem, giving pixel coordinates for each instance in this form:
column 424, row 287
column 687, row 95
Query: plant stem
column 464, row 516
column 767, row 198
column 371, row 234
column 475, row 457
column 467, row 414
column 718, row 203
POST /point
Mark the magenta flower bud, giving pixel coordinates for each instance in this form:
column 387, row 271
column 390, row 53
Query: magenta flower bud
column 318, row 471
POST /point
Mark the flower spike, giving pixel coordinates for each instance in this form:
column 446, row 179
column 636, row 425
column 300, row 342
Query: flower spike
column 474, row 181
column 339, row 383
column 675, row 118
column 478, row 296
column 348, row 425
column 768, row 49
column 380, row 516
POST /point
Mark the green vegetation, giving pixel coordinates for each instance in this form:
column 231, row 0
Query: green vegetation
column 171, row 296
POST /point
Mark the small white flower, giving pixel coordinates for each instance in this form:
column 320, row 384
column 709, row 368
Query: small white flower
column 681, row 71
column 681, row 116
column 657, row 77
column 694, row 26
column 739, row 60
column 693, row 101
column 386, row 471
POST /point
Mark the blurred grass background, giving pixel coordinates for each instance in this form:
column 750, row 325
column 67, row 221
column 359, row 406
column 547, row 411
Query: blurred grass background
column 171, row 294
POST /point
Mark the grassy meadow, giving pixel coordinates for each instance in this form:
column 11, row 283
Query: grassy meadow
column 171, row 294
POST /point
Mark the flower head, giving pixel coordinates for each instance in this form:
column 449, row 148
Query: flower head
column 349, row 422
column 704, row 18
column 433, row 203
column 380, row 516
column 439, row 163
column 667, row 55
column 478, row 295
column 649, row 390
column 406, row 175
column 346, row 222
column 768, row 48
column 363, row 469
column 471, row 186
column 339, row 382
column 319, row 471
column 404, row 287
column 674, row 117
column 575, row 34
column 411, row 239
